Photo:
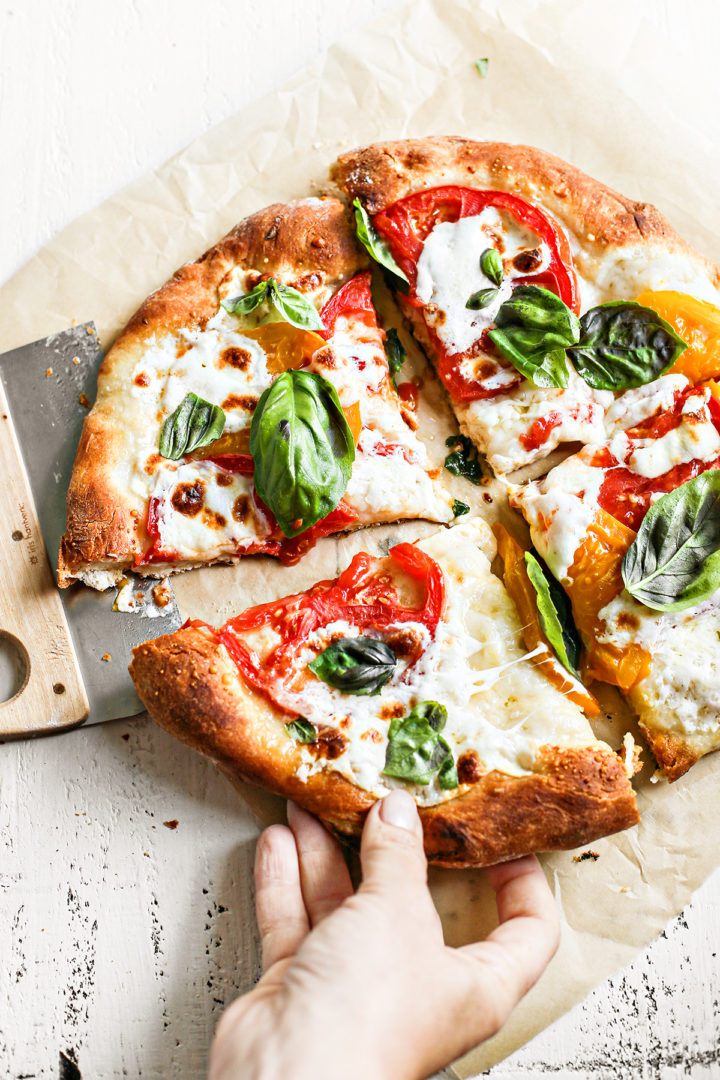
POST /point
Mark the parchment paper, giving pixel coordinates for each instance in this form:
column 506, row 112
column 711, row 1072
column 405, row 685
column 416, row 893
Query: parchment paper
column 596, row 84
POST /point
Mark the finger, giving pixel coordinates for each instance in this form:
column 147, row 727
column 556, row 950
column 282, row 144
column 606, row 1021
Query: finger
column 391, row 851
column 281, row 915
column 324, row 876
column 513, row 957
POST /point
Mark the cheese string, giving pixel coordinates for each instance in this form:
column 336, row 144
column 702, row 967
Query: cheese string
column 489, row 676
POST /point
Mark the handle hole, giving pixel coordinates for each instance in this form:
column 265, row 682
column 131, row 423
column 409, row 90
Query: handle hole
column 14, row 666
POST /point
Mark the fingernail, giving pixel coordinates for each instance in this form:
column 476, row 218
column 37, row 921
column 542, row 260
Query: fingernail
column 398, row 809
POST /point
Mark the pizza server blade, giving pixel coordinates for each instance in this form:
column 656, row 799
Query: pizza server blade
column 41, row 403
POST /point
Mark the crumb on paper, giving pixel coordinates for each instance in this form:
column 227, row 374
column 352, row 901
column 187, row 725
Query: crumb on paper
column 172, row 824
column 631, row 755
column 48, row 373
column 162, row 594
column 106, row 657
column 585, row 855
column 481, row 66
column 76, row 359
column 657, row 777
column 84, row 400
column 126, row 736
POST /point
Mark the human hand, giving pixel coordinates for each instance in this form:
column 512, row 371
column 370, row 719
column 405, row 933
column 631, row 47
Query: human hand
column 360, row 984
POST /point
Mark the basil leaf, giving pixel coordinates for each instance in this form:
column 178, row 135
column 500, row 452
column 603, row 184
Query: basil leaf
column 533, row 329
column 303, row 449
column 481, row 66
column 194, row 423
column 623, row 345
column 282, row 300
column 301, row 730
column 416, row 751
column 463, row 461
column 359, row 665
column 555, row 615
column 460, row 508
column 295, row 308
column 492, row 265
column 481, row 299
column 374, row 244
column 395, row 352
column 674, row 561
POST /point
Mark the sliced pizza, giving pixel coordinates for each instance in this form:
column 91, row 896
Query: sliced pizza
column 247, row 407
column 631, row 529
column 407, row 671
column 507, row 262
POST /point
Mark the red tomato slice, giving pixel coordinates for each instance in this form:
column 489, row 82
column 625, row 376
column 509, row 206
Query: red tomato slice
column 354, row 298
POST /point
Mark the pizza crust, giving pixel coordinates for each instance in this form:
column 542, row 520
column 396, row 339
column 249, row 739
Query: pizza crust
column 309, row 238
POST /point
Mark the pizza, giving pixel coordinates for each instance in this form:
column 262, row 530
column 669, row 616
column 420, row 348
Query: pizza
column 409, row 671
column 166, row 477
column 557, row 311
column 252, row 406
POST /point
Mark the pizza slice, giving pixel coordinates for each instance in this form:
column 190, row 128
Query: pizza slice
column 247, row 407
column 504, row 258
column 407, row 671
column 631, row 529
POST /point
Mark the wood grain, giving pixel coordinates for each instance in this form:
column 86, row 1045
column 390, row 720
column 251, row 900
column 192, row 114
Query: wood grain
column 52, row 694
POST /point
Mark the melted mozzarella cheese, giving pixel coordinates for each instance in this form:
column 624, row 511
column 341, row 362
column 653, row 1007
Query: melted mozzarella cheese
column 634, row 406
column 205, row 511
column 503, row 425
column 695, row 438
column 501, row 708
column 448, row 272
column 559, row 510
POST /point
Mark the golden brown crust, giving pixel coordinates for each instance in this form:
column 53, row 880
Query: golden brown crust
column 191, row 687
column 600, row 217
column 309, row 241
column 672, row 755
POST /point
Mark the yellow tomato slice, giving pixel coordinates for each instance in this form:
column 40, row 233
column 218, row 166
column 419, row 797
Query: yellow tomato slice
column 596, row 579
column 354, row 419
column 522, row 593
column 698, row 323
column 286, row 347
column 232, row 442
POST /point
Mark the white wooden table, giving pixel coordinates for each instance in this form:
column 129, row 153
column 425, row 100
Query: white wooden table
column 123, row 934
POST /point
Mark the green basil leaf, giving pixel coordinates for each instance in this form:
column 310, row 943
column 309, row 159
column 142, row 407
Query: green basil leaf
column 303, row 449
column 282, row 300
column 246, row 304
column 463, row 461
column 359, row 665
column 491, row 265
column 623, row 344
column 674, row 561
column 555, row 615
column 194, row 423
column 374, row 244
column 460, row 508
column 481, row 299
column 395, row 352
column 481, row 66
column 533, row 329
column 416, row 751
column 295, row 308
column 301, row 730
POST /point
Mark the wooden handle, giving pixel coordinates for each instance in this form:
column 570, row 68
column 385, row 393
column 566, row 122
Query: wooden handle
column 51, row 695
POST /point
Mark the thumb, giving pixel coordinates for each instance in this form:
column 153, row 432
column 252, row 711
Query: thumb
column 391, row 851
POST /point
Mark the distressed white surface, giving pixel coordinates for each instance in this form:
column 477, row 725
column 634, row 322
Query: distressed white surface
column 120, row 939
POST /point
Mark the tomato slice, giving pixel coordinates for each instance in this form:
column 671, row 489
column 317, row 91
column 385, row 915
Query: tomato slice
column 364, row 595
column 522, row 593
column 406, row 225
column 354, row 298
column 698, row 323
column 595, row 580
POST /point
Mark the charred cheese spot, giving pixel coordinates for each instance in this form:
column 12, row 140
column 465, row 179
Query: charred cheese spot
column 224, row 479
column 406, row 644
column 235, row 357
column 241, row 508
column 528, row 261
column 182, row 348
column 326, row 358
column 308, row 282
column 246, row 402
column 188, row 498
column 142, row 379
column 151, row 463
column 371, row 735
column 330, row 743
column 469, row 768
column 213, row 519
column 392, row 711
column 626, row 620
